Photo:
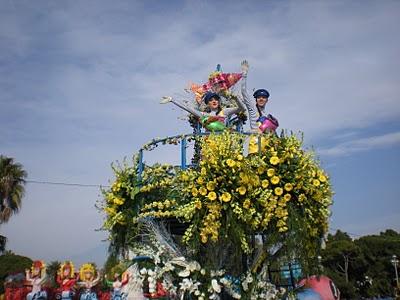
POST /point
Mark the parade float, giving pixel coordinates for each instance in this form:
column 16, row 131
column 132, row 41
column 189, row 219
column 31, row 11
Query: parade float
column 245, row 218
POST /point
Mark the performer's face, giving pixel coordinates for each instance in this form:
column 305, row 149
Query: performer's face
column 36, row 271
column 88, row 275
column 213, row 103
column 67, row 271
column 261, row 101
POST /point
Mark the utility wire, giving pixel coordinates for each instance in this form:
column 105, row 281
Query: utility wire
column 66, row 183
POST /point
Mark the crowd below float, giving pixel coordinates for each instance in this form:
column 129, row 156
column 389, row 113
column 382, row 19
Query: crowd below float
column 262, row 198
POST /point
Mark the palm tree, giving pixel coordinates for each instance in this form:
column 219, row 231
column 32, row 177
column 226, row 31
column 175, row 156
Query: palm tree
column 12, row 180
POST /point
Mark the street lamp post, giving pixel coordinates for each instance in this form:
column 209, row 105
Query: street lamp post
column 395, row 262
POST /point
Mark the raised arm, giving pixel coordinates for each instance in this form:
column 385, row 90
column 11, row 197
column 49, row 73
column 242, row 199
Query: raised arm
column 248, row 102
column 234, row 110
column 195, row 112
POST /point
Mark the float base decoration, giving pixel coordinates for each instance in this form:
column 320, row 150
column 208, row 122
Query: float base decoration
column 243, row 216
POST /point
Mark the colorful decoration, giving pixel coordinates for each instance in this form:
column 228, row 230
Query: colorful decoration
column 217, row 82
column 87, row 279
column 36, row 277
column 66, row 278
column 268, row 123
column 322, row 285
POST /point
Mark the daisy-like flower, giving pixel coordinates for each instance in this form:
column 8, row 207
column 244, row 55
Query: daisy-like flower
column 212, row 196
column 203, row 191
column 316, row 182
column 226, row 197
column 274, row 160
column 270, row 172
column 230, row 162
column 278, row 191
column 239, row 157
column 210, row 185
column 265, row 183
column 288, row 187
column 302, row 197
column 287, row 197
column 260, row 170
column 242, row 190
column 322, row 178
column 195, row 192
column 275, row 180
column 197, row 204
column 246, row 203
column 200, row 180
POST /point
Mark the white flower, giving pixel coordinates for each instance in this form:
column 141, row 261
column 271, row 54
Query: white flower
column 203, row 272
column 150, row 272
column 143, row 271
column 216, row 287
column 184, row 273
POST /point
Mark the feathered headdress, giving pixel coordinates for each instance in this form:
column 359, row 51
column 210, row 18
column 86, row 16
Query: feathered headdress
column 65, row 265
column 85, row 268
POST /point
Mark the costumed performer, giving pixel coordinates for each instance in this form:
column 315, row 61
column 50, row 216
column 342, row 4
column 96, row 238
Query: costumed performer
column 117, row 284
column 67, row 279
column 88, row 280
column 36, row 277
column 214, row 118
column 260, row 122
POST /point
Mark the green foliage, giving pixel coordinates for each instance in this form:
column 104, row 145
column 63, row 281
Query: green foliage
column 12, row 180
column 51, row 270
column 11, row 263
column 369, row 272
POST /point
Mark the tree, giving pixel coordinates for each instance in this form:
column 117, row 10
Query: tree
column 11, row 263
column 3, row 241
column 12, row 180
column 51, row 270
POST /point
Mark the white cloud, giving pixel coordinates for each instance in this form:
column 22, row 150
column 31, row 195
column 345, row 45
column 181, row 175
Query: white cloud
column 363, row 144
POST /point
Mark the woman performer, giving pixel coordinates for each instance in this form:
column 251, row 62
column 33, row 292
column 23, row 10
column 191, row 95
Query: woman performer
column 67, row 279
column 88, row 281
column 36, row 277
column 259, row 121
column 117, row 284
column 215, row 117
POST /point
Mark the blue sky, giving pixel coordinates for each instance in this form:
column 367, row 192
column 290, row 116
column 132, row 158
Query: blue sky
column 80, row 83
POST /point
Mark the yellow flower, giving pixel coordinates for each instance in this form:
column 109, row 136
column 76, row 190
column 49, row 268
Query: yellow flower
column 278, row 191
column 203, row 191
column 210, row 185
column 194, row 192
column 287, row 197
column 230, row 162
column 239, row 157
column 322, row 178
column 226, row 197
column 204, row 239
column 185, row 177
column 274, row 160
column 260, row 170
column 197, row 204
column 275, row 180
column 242, row 190
column 200, row 180
column 316, row 182
column 119, row 201
column 270, row 172
column 288, row 187
column 246, row 203
column 212, row 196
column 264, row 183
column 302, row 197
column 203, row 171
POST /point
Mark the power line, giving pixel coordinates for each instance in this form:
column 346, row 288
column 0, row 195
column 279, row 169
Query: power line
column 66, row 183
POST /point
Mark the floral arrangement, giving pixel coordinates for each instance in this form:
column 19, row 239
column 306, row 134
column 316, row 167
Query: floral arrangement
column 280, row 195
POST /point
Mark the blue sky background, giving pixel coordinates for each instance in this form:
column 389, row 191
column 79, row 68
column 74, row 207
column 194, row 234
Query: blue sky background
column 80, row 83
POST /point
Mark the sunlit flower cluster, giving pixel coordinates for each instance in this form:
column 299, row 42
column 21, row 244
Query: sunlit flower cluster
column 260, row 192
